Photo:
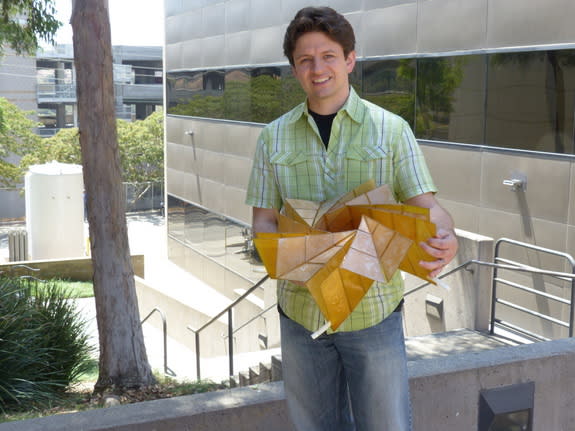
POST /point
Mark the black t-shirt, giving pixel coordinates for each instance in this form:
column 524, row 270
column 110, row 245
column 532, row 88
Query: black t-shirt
column 323, row 123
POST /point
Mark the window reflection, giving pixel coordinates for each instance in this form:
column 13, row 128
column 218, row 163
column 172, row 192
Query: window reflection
column 292, row 93
column 523, row 100
column 175, row 216
column 194, row 225
column 237, row 100
column 450, row 99
column 213, row 236
column 530, row 100
column 391, row 85
column 196, row 94
column 266, row 94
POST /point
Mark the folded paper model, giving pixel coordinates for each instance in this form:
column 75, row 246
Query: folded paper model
column 338, row 248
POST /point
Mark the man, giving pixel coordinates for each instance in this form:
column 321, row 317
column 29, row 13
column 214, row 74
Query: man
column 356, row 377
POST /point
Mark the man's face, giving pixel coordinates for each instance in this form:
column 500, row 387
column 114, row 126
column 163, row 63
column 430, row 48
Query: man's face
column 322, row 70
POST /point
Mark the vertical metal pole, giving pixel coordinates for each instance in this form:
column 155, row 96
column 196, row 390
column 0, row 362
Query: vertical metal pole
column 494, row 290
column 198, row 376
column 165, row 325
column 231, row 341
column 571, row 311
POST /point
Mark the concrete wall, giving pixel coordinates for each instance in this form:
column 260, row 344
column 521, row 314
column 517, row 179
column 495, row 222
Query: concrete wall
column 79, row 269
column 444, row 393
column 467, row 302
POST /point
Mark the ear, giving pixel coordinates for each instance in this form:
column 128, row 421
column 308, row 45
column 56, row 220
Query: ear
column 350, row 61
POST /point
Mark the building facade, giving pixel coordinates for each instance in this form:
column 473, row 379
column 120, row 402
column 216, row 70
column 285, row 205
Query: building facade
column 487, row 85
column 138, row 73
column 46, row 86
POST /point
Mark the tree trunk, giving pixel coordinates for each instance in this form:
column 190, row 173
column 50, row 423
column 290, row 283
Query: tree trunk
column 123, row 359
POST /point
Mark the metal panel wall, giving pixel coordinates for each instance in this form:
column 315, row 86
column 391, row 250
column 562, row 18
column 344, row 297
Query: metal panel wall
column 383, row 27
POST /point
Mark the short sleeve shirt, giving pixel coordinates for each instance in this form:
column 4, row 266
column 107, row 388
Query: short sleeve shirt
column 366, row 142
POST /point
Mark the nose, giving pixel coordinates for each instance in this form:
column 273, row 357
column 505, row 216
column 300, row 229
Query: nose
column 317, row 65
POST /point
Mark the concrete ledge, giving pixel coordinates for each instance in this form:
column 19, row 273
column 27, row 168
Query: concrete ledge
column 444, row 391
column 73, row 268
column 256, row 408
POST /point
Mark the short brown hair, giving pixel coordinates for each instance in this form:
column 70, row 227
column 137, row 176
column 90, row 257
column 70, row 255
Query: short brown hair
column 321, row 19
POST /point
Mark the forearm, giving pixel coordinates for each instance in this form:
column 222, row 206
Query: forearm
column 264, row 220
column 441, row 218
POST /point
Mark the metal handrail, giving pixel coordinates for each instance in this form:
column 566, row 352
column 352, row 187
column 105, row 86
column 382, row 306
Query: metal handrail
column 515, row 266
column 167, row 370
column 260, row 314
column 227, row 310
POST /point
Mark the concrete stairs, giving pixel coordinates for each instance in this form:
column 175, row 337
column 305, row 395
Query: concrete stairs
column 418, row 348
column 260, row 373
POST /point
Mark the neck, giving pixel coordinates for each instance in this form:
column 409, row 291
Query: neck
column 326, row 106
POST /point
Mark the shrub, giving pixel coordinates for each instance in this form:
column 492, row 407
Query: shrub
column 43, row 343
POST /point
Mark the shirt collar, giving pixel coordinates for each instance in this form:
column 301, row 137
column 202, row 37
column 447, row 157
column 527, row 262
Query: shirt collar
column 352, row 106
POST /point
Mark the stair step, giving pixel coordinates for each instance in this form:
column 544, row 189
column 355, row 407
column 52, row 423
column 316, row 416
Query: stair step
column 276, row 368
column 266, row 372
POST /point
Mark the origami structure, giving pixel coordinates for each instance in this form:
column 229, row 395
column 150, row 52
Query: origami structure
column 337, row 249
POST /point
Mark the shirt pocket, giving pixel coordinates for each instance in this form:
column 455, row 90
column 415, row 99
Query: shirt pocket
column 298, row 174
column 288, row 158
column 363, row 163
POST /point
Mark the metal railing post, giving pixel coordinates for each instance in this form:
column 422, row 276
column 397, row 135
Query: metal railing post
column 198, row 376
column 494, row 290
column 227, row 310
column 231, row 341
column 165, row 335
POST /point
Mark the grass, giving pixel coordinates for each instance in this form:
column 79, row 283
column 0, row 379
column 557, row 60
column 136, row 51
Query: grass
column 76, row 289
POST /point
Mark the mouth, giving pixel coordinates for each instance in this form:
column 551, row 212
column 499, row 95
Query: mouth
column 321, row 81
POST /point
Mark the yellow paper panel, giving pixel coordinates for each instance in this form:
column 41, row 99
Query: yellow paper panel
column 267, row 249
column 335, row 300
column 291, row 254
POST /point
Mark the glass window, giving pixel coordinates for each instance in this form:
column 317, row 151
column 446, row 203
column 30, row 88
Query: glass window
column 391, row 85
column 196, row 94
column 266, row 94
column 530, row 100
column 523, row 100
column 175, row 215
column 213, row 236
column 292, row 93
column 194, row 226
column 237, row 103
column 451, row 98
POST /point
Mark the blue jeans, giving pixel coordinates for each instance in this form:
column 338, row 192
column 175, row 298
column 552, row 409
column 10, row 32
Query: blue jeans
column 348, row 380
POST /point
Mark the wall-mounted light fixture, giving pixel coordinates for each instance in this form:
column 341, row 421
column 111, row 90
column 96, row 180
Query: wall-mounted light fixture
column 507, row 408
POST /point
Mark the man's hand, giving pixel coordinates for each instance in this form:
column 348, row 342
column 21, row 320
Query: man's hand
column 443, row 246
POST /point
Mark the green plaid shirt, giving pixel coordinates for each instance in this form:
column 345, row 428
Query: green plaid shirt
column 366, row 142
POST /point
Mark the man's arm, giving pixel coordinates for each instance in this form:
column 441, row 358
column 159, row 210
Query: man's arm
column 443, row 245
column 264, row 220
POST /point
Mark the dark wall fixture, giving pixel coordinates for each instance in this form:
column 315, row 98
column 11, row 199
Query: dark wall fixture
column 508, row 408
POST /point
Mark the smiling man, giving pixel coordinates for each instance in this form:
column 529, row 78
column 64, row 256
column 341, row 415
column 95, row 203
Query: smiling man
column 354, row 378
